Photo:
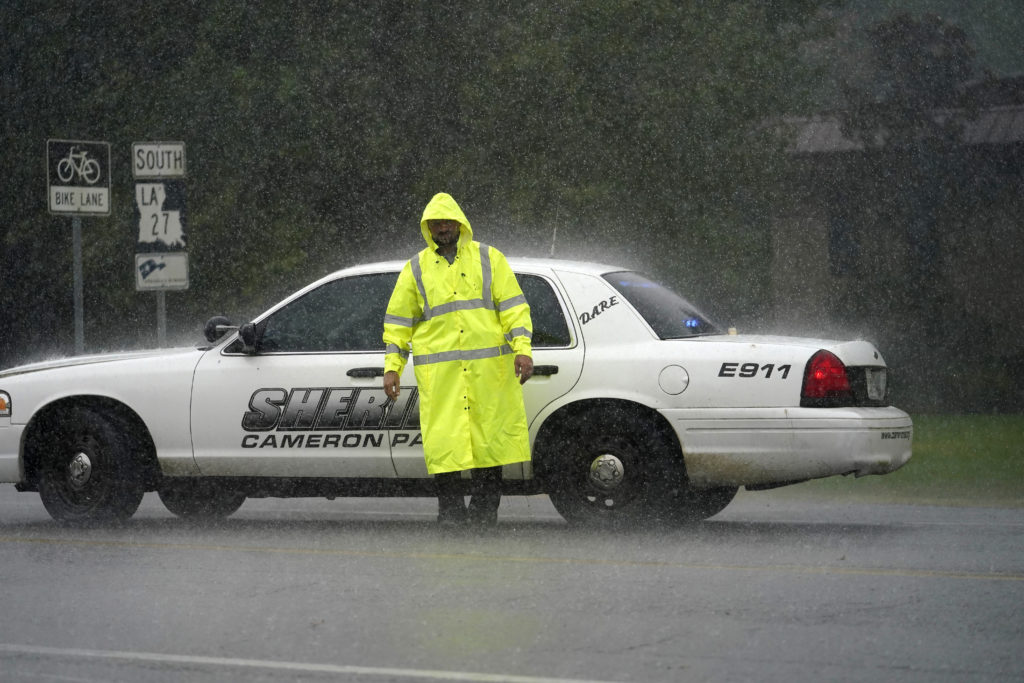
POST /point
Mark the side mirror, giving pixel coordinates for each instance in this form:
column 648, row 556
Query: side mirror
column 216, row 327
column 250, row 338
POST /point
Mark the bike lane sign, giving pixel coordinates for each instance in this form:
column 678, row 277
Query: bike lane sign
column 78, row 177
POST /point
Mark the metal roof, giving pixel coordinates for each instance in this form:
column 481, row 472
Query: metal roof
column 997, row 126
column 1001, row 125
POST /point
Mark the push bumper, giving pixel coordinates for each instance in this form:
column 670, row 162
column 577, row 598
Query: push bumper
column 10, row 448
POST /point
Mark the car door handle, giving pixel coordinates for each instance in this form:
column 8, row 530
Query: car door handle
column 365, row 372
column 545, row 370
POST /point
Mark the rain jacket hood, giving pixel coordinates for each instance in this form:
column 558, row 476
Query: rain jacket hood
column 443, row 206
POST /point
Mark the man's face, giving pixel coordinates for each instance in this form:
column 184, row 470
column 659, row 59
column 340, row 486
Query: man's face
column 444, row 231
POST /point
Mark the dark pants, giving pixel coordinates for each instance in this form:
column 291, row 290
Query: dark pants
column 485, row 492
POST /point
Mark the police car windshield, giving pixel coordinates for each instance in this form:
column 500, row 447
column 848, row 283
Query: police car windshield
column 669, row 315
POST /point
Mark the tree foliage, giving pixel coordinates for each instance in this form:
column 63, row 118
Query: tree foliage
column 316, row 131
column 914, row 91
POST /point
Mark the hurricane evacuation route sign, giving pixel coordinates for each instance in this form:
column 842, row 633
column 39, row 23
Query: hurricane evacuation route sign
column 161, row 259
column 78, row 177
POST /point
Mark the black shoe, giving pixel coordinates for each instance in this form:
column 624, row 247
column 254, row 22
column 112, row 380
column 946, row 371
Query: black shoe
column 451, row 506
column 483, row 513
column 452, row 517
column 485, row 497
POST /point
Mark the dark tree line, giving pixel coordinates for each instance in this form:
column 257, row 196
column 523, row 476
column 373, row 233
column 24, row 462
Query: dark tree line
column 632, row 133
column 315, row 131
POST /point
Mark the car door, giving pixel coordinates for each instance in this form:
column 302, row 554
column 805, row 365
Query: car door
column 309, row 402
column 557, row 364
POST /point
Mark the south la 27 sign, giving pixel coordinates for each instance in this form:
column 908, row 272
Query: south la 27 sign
column 161, row 260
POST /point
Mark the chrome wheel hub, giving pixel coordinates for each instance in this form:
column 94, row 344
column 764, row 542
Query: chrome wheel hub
column 79, row 471
column 606, row 472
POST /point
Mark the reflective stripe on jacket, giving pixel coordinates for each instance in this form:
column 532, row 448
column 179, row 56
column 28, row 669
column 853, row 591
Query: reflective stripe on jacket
column 463, row 323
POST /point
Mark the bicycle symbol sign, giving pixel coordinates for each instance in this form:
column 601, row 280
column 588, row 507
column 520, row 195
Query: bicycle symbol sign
column 78, row 163
column 78, row 177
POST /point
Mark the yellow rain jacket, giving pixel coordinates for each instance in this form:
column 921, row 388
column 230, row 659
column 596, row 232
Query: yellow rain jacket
column 464, row 324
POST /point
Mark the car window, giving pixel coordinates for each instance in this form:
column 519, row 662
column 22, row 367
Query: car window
column 669, row 315
column 549, row 326
column 341, row 315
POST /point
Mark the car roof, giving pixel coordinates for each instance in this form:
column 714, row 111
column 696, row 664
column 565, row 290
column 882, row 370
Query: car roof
column 517, row 263
column 527, row 264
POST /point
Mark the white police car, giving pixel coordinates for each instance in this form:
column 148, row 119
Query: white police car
column 639, row 408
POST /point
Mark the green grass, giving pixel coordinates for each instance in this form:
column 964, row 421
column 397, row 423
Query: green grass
column 957, row 460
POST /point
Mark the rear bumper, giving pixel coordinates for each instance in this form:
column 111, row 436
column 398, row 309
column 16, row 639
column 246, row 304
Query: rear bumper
column 771, row 446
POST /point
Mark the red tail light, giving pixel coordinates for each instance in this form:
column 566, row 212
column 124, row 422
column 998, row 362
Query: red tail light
column 825, row 381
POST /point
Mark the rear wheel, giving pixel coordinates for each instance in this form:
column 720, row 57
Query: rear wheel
column 599, row 481
column 199, row 498
column 87, row 471
column 618, row 467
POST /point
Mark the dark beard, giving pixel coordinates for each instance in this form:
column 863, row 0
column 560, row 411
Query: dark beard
column 447, row 241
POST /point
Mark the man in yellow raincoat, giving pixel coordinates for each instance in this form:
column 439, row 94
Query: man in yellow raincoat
column 459, row 310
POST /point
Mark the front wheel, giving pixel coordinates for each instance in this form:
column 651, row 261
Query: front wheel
column 199, row 499
column 87, row 471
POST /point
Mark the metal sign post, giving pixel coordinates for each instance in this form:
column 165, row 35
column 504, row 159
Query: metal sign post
column 161, row 319
column 78, row 184
column 78, row 285
column 161, row 259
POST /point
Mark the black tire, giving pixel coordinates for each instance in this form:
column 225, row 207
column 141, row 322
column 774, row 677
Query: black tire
column 87, row 471
column 620, row 468
column 199, row 499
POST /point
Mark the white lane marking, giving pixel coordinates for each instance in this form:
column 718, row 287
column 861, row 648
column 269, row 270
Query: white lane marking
column 295, row 667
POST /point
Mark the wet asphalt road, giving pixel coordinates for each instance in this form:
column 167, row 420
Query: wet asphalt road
column 774, row 589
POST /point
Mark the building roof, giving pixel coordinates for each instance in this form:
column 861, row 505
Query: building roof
column 997, row 126
column 1000, row 125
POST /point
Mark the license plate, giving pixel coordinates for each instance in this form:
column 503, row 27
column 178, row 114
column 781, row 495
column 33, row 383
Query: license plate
column 876, row 383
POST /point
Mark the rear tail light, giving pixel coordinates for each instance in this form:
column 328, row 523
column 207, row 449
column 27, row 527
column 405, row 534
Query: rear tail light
column 826, row 383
